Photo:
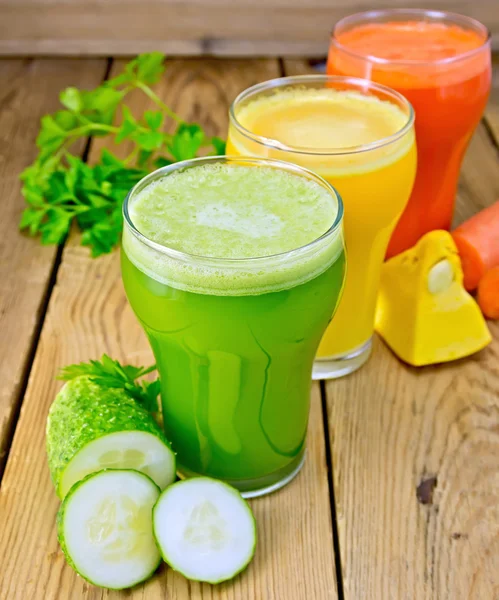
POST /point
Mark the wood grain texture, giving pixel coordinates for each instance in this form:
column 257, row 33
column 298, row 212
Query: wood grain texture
column 479, row 182
column 88, row 314
column 398, row 433
column 237, row 27
column 28, row 89
column 415, row 455
column 492, row 111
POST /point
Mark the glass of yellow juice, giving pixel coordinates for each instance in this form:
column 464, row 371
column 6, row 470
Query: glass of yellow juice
column 359, row 136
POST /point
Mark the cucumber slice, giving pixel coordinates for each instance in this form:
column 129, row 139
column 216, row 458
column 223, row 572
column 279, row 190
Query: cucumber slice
column 204, row 529
column 105, row 528
column 91, row 427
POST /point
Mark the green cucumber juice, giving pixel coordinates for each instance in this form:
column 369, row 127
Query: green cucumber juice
column 234, row 268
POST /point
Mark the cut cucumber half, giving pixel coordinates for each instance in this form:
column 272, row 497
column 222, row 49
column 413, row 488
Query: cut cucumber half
column 105, row 528
column 91, row 427
column 204, row 529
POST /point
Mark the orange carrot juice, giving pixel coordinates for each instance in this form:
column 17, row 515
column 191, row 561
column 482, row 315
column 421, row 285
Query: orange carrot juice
column 441, row 63
column 358, row 136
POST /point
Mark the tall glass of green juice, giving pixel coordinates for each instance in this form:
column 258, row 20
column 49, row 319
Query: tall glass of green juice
column 234, row 268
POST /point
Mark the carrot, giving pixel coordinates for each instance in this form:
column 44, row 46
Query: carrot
column 477, row 241
column 488, row 293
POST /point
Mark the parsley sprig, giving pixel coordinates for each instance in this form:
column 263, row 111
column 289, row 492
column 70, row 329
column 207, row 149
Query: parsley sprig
column 110, row 373
column 59, row 188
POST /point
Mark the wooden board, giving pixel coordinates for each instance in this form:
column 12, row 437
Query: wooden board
column 25, row 267
column 219, row 27
column 399, row 433
column 88, row 314
column 415, row 455
column 492, row 112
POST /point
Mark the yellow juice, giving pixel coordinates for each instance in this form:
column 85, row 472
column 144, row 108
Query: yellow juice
column 364, row 145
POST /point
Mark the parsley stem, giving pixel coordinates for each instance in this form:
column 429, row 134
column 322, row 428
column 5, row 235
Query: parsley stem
column 146, row 371
column 155, row 98
column 61, row 151
column 101, row 127
column 79, row 131
column 132, row 155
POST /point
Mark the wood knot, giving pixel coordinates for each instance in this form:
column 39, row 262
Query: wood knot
column 424, row 491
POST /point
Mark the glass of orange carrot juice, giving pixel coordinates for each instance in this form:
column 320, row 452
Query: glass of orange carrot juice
column 359, row 136
column 441, row 63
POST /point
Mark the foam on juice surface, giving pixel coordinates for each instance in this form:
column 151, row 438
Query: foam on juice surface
column 414, row 54
column 411, row 40
column 227, row 211
column 322, row 119
column 325, row 120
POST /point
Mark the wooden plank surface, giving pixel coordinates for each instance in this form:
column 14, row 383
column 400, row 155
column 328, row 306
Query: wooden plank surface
column 228, row 27
column 492, row 112
column 415, row 456
column 28, row 89
column 88, row 314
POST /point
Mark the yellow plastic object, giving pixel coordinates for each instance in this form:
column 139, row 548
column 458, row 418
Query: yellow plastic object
column 424, row 313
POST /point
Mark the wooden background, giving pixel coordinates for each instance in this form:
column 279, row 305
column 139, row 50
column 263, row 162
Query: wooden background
column 190, row 27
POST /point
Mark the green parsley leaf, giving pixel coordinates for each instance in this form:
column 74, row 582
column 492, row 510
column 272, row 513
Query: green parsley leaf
column 148, row 67
column 51, row 135
column 128, row 126
column 108, row 159
column 100, row 106
column 218, row 145
column 143, row 157
column 32, row 219
column 72, row 99
column 55, row 226
column 104, row 234
column 154, row 119
column 186, row 142
column 149, row 140
column 161, row 161
column 112, row 374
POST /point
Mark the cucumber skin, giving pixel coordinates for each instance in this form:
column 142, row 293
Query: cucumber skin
column 234, row 491
column 84, row 411
column 60, row 526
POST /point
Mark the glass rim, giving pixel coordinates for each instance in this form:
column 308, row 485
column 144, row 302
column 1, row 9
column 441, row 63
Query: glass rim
column 222, row 261
column 356, row 82
column 434, row 15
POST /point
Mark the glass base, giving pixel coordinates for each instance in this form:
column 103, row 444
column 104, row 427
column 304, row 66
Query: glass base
column 341, row 364
column 252, row 488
